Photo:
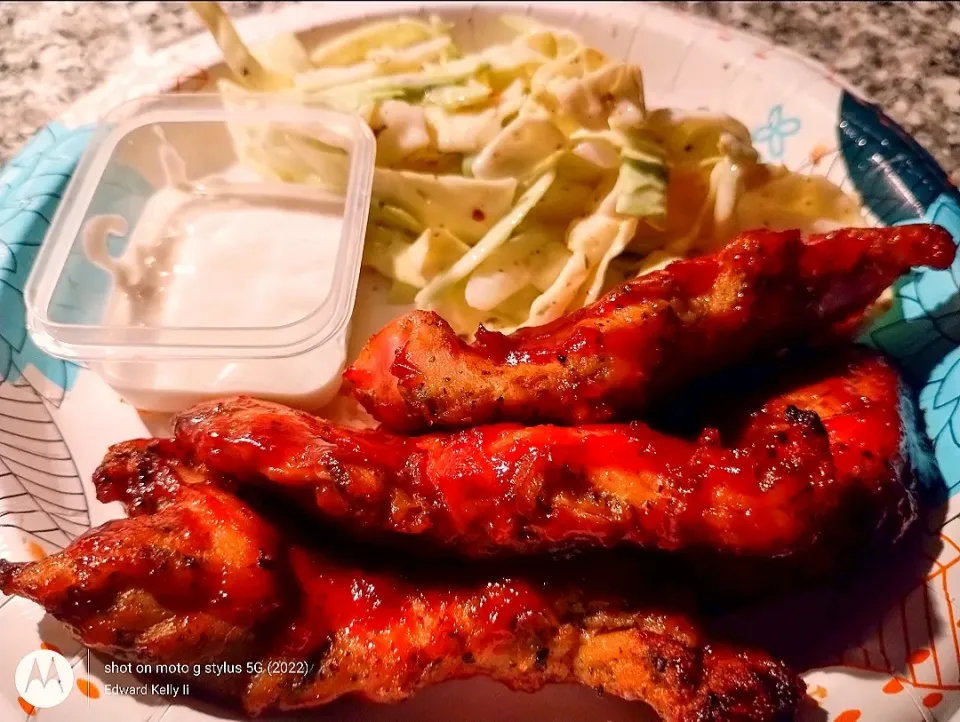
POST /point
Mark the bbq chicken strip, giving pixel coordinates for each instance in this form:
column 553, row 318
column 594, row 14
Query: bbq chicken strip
column 200, row 577
column 823, row 456
column 644, row 339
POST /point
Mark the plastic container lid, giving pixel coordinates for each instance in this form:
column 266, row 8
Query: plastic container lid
column 195, row 148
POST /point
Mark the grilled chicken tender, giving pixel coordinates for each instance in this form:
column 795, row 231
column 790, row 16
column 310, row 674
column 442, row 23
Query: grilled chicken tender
column 816, row 468
column 199, row 576
column 644, row 339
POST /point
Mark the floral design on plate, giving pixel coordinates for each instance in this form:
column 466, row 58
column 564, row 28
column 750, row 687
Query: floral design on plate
column 776, row 131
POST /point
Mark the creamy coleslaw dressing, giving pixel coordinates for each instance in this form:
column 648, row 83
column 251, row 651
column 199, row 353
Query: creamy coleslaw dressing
column 222, row 253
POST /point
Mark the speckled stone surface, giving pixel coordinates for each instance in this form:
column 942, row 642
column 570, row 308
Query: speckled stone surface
column 905, row 56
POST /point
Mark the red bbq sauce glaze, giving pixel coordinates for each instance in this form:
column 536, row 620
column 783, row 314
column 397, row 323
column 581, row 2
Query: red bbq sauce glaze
column 763, row 291
column 186, row 559
column 344, row 602
column 767, row 490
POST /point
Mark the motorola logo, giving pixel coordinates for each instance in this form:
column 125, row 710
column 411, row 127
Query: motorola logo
column 44, row 678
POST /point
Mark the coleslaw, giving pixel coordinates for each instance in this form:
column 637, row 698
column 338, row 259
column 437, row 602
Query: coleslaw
column 522, row 180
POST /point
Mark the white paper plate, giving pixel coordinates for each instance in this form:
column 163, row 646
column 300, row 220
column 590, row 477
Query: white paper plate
column 56, row 421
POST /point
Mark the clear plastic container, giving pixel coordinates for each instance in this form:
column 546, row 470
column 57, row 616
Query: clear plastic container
column 181, row 267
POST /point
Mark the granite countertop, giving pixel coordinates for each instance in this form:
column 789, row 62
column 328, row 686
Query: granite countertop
column 905, row 55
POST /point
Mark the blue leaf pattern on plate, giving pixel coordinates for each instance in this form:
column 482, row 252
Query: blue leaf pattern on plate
column 901, row 183
column 41, row 494
column 30, row 188
column 922, row 332
column 939, row 400
column 895, row 177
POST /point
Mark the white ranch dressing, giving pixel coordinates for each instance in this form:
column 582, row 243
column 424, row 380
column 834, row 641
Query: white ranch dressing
column 222, row 254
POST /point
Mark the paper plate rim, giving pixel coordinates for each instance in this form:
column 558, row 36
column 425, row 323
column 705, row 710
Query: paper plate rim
column 168, row 68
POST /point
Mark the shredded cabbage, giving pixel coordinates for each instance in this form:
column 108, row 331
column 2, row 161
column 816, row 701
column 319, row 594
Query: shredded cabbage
column 466, row 207
column 401, row 131
column 553, row 302
column 237, row 56
column 456, row 97
column 505, row 272
column 517, row 149
column 462, row 132
column 284, row 54
column 494, row 238
column 517, row 181
column 354, row 47
column 414, row 264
